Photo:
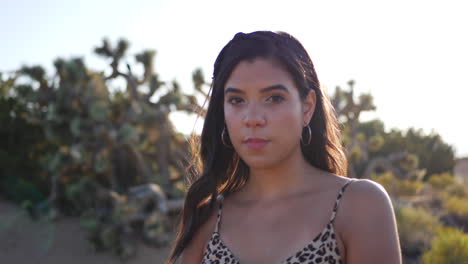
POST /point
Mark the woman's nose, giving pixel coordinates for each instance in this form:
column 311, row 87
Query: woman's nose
column 254, row 117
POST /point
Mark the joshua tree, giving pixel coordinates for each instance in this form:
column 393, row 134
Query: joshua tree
column 359, row 145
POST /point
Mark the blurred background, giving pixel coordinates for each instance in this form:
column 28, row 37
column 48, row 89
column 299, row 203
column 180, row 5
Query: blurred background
column 99, row 98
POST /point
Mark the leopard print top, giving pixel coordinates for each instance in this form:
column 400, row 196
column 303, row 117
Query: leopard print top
column 322, row 249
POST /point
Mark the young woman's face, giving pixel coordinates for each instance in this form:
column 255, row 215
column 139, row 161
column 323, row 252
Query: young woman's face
column 264, row 113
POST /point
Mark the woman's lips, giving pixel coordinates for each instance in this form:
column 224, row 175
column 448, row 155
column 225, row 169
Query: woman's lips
column 256, row 143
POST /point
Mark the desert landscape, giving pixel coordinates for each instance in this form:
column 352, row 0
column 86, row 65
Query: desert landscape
column 64, row 241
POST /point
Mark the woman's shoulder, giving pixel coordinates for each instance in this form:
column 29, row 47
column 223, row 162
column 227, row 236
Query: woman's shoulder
column 363, row 197
column 365, row 192
column 366, row 223
column 365, row 205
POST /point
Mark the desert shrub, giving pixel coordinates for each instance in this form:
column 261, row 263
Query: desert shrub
column 397, row 187
column 454, row 202
column 457, row 206
column 449, row 247
column 387, row 180
column 441, row 181
column 457, row 189
column 416, row 228
column 409, row 187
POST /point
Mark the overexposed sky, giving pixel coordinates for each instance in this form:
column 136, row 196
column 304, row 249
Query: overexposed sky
column 411, row 55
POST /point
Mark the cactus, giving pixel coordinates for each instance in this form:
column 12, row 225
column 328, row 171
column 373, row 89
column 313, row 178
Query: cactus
column 100, row 142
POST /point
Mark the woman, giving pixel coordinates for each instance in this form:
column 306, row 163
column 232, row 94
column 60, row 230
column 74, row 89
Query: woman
column 268, row 177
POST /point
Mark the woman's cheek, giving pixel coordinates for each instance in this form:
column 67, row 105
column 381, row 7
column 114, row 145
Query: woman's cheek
column 233, row 123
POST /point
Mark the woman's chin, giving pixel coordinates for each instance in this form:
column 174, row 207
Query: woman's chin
column 260, row 163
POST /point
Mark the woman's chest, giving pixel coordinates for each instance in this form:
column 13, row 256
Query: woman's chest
column 271, row 237
column 322, row 248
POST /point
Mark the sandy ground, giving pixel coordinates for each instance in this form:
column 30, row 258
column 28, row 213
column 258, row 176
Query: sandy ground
column 63, row 242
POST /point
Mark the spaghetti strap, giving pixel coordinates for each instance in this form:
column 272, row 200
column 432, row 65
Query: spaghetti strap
column 337, row 202
column 220, row 209
column 323, row 246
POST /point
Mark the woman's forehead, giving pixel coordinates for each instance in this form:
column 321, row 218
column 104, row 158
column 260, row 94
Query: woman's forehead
column 259, row 73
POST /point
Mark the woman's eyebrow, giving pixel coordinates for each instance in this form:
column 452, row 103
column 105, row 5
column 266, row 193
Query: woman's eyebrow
column 263, row 90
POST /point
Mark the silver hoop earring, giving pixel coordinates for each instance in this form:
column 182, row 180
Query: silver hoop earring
column 223, row 133
column 309, row 138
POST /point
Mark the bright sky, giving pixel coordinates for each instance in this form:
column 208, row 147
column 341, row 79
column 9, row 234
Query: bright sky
column 411, row 55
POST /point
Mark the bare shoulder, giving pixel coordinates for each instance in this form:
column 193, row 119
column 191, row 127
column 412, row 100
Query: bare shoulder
column 193, row 253
column 364, row 200
column 367, row 191
column 367, row 224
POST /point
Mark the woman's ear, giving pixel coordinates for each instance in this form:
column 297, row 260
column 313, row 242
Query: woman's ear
column 309, row 106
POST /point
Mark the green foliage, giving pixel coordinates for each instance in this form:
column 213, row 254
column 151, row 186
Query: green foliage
column 387, row 180
column 441, row 181
column 457, row 189
column 449, row 247
column 408, row 187
column 416, row 228
column 20, row 148
column 79, row 138
column 397, row 187
column 453, row 195
column 371, row 128
column 457, row 206
column 90, row 131
column 20, row 190
column 435, row 155
column 431, row 152
column 376, row 142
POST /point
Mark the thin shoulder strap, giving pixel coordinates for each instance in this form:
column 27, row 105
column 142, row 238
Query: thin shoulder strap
column 337, row 202
column 220, row 209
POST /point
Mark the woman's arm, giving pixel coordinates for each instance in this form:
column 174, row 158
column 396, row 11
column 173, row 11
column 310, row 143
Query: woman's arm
column 369, row 227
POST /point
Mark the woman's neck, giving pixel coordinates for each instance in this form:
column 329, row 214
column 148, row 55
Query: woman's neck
column 286, row 178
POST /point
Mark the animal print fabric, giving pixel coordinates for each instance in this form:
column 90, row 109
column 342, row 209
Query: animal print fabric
column 322, row 249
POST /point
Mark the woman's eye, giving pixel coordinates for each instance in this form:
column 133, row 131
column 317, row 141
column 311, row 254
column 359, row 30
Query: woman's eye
column 276, row 98
column 235, row 100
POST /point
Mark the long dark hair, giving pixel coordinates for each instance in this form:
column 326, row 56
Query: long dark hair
column 217, row 169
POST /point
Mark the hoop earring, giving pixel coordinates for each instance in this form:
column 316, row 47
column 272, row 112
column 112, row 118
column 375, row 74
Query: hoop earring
column 309, row 138
column 223, row 133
